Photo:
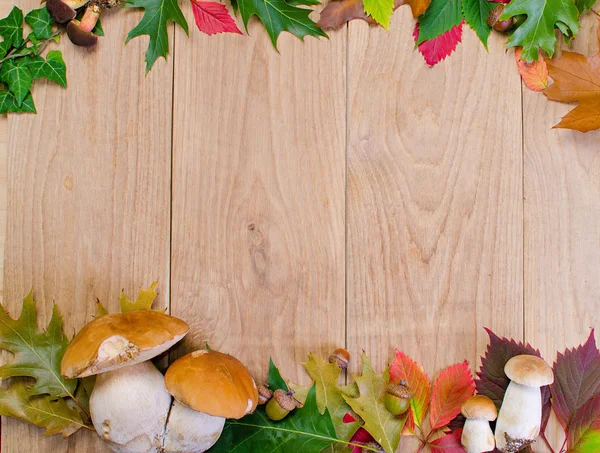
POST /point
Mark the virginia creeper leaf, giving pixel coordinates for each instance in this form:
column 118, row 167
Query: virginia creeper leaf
column 144, row 300
column 440, row 17
column 404, row 368
column 437, row 49
column 452, row 388
column 449, row 443
column 476, row 13
column 584, row 424
column 213, row 17
column 380, row 11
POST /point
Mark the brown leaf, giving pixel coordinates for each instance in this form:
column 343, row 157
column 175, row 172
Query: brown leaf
column 534, row 74
column 577, row 79
column 418, row 6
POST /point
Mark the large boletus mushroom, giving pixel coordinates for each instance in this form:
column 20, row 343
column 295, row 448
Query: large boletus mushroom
column 477, row 436
column 129, row 404
column 208, row 387
column 63, row 11
column 520, row 416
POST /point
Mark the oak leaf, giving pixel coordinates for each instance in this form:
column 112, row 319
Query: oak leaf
column 452, row 388
column 144, row 300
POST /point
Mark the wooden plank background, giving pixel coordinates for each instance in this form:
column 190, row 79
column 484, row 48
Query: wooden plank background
column 337, row 193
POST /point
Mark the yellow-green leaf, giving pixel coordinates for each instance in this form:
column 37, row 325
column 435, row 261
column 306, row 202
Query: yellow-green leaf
column 380, row 10
column 144, row 301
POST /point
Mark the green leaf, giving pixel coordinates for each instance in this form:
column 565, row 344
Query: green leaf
column 18, row 77
column 584, row 5
column 154, row 24
column 100, row 310
column 476, row 13
column 329, row 394
column 36, row 354
column 380, row 10
column 590, row 443
column 11, row 27
column 4, row 48
column 40, row 22
column 8, row 103
column 441, row 16
column 42, row 411
column 278, row 16
column 538, row 29
column 144, row 300
column 379, row 422
column 275, row 380
column 53, row 68
column 302, row 431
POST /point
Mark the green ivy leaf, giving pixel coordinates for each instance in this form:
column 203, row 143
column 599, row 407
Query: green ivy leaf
column 380, row 10
column 40, row 22
column 154, row 24
column 11, row 27
column 36, row 354
column 4, row 48
column 476, row 13
column 17, row 75
column 441, row 16
column 53, row 68
column 8, row 103
column 278, row 16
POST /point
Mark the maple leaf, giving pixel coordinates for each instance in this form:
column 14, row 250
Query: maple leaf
column 144, row 300
column 449, row 443
column 538, row 28
column 379, row 422
column 452, row 388
column 36, row 354
column 213, row 17
column 534, row 74
column 329, row 395
column 577, row 79
column 406, row 369
column 437, row 49
column 576, row 380
column 584, row 427
column 278, row 16
column 40, row 410
column 157, row 14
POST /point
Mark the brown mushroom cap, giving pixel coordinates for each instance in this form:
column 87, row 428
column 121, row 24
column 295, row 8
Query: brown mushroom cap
column 121, row 339
column 479, row 407
column 214, row 383
column 529, row 370
column 60, row 11
column 79, row 36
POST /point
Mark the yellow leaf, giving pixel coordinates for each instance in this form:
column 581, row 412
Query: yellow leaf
column 144, row 301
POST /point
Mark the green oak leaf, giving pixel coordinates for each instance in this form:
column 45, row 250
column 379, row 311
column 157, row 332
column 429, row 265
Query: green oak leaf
column 17, row 76
column 157, row 13
column 8, row 103
column 278, row 16
column 584, row 5
column 441, row 16
column 379, row 422
column 538, row 29
column 36, row 354
column 11, row 27
column 274, row 379
column 40, row 22
column 476, row 13
column 52, row 68
column 380, row 10
column 144, row 300
column 40, row 410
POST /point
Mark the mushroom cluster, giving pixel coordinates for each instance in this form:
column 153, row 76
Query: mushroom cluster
column 80, row 32
column 520, row 415
column 134, row 408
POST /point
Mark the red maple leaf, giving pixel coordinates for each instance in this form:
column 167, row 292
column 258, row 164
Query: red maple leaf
column 437, row 49
column 213, row 17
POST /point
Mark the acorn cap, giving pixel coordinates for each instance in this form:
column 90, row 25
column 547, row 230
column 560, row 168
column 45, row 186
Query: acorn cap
column 63, row 12
column 214, row 383
column 529, row 370
column 79, row 36
column 121, row 339
column 341, row 357
column 400, row 390
column 479, row 407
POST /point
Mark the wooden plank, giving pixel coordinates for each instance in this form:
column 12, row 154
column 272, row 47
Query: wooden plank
column 258, row 196
column 89, row 194
column 435, row 201
column 562, row 223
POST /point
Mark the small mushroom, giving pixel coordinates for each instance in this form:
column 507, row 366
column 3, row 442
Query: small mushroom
column 63, row 11
column 129, row 403
column 477, row 436
column 520, row 416
column 80, row 33
column 208, row 387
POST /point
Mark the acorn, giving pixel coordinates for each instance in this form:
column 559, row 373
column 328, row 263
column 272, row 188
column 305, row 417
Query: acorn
column 281, row 405
column 397, row 398
column 341, row 357
column 264, row 394
column 494, row 21
column 372, row 446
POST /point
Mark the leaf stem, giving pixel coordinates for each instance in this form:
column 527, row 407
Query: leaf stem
column 545, row 439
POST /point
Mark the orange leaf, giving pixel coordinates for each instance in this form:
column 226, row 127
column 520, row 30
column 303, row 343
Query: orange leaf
column 452, row 388
column 534, row 74
column 577, row 79
column 404, row 368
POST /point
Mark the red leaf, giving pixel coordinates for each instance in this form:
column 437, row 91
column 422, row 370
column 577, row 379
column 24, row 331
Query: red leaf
column 586, row 419
column 348, row 418
column 577, row 380
column 437, row 49
column 452, row 388
column 450, row 443
column 213, row 17
column 360, row 437
column 404, row 368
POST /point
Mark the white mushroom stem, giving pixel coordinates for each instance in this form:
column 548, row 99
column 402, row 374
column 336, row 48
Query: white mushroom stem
column 129, row 408
column 190, row 431
column 477, row 436
column 519, row 418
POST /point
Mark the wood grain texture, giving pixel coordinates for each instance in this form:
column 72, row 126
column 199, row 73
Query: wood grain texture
column 89, row 195
column 258, row 196
column 434, row 196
